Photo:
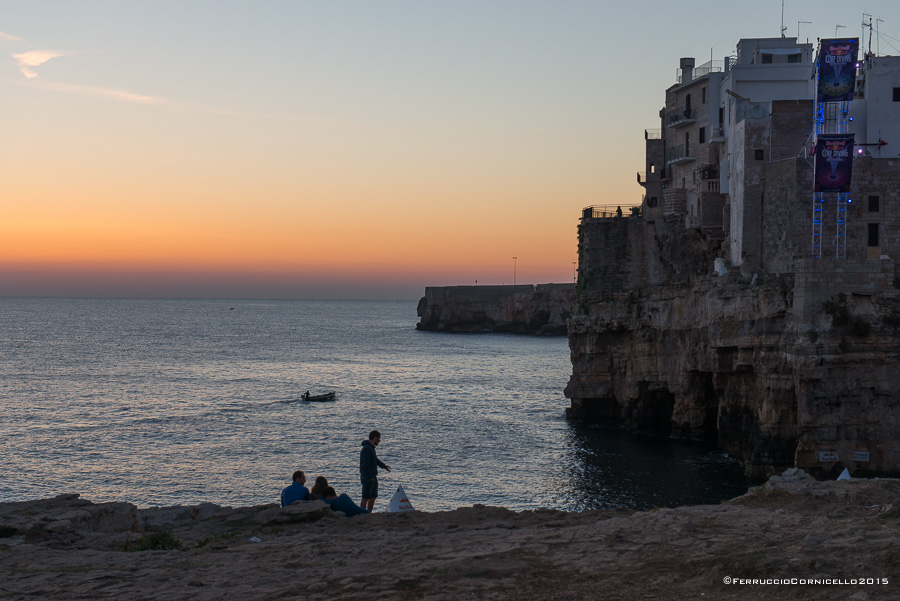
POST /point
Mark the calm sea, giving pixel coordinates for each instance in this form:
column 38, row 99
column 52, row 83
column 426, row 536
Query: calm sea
column 167, row 402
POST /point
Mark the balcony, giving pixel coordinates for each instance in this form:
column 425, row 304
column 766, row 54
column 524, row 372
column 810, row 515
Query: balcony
column 718, row 136
column 680, row 117
column 709, row 172
column 642, row 178
column 610, row 211
column 665, row 174
column 676, row 155
column 652, row 134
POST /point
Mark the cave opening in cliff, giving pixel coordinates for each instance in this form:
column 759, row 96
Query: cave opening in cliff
column 596, row 410
column 708, row 402
column 653, row 411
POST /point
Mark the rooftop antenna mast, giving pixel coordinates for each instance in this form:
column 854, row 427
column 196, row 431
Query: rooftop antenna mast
column 798, row 28
column 783, row 28
column 836, row 27
column 877, row 37
column 869, row 25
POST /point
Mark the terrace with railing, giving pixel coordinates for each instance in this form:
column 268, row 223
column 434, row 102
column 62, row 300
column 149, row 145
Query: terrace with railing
column 706, row 68
column 679, row 154
column 610, row 211
column 680, row 117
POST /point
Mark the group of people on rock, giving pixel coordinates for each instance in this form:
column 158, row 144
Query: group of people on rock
column 368, row 475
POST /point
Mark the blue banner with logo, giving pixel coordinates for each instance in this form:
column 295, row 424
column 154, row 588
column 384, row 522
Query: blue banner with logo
column 834, row 162
column 837, row 70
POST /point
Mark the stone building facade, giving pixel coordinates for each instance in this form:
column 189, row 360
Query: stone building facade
column 708, row 316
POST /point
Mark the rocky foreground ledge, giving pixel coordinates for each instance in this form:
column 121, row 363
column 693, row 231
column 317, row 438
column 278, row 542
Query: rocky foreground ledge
column 791, row 529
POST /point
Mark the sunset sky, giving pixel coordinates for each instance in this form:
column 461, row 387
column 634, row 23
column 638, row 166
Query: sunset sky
column 337, row 149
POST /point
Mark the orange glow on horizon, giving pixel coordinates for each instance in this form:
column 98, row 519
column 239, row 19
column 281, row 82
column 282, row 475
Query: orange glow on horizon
column 220, row 232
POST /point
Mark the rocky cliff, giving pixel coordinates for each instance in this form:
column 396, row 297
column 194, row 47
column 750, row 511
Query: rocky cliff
column 791, row 528
column 541, row 309
column 778, row 369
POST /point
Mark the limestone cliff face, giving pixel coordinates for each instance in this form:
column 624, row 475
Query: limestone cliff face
column 779, row 369
column 541, row 309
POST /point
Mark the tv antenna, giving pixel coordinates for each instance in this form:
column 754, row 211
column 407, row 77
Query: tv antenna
column 877, row 37
column 798, row 28
column 783, row 28
column 836, row 27
column 869, row 25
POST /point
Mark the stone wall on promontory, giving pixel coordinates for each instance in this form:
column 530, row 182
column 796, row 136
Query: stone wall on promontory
column 780, row 370
column 526, row 309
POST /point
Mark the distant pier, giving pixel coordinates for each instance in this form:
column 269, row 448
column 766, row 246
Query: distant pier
column 540, row 309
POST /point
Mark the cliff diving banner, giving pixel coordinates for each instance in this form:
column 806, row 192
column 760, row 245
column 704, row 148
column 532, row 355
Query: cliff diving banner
column 837, row 70
column 834, row 162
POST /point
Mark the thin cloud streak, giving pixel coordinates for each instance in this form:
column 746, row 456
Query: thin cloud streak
column 34, row 58
column 9, row 38
column 126, row 96
column 105, row 93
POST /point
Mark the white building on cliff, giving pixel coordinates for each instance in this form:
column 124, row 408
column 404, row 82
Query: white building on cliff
column 725, row 122
column 741, row 306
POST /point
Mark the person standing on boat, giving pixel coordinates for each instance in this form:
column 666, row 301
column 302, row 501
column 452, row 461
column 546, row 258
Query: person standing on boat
column 368, row 470
column 296, row 491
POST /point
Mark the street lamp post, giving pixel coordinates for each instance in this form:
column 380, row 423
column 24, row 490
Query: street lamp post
column 514, row 270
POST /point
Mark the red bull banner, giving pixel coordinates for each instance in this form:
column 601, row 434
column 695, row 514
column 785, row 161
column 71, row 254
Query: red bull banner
column 837, row 70
column 834, row 163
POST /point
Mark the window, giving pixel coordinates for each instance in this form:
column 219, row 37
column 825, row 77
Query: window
column 687, row 144
column 653, row 202
column 873, row 204
column 721, row 115
column 652, row 168
column 759, row 155
column 896, row 94
column 703, row 96
column 702, row 135
column 766, row 59
column 873, row 234
column 793, row 58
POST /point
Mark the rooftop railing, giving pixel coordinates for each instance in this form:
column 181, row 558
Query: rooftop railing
column 705, row 69
column 610, row 211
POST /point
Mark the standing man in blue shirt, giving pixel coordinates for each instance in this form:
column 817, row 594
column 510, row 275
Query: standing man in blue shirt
column 296, row 491
column 368, row 470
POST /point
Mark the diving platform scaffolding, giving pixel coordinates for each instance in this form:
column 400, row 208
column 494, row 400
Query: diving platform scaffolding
column 830, row 118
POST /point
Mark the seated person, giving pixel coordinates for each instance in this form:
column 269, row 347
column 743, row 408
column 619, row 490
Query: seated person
column 296, row 491
column 342, row 503
column 318, row 489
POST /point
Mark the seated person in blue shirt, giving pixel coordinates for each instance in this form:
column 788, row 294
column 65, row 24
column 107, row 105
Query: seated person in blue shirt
column 296, row 491
column 342, row 503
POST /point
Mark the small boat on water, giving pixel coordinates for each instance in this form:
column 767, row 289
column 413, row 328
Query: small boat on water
column 328, row 396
